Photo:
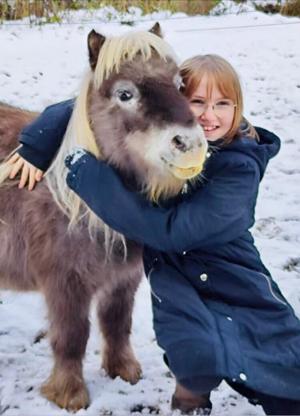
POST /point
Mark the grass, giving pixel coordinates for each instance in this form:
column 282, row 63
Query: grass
column 51, row 11
column 288, row 8
column 291, row 8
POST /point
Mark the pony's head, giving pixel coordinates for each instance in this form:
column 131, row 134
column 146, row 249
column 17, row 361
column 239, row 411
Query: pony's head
column 131, row 113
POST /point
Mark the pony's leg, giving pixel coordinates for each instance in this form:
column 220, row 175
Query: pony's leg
column 115, row 317
column 68, row 304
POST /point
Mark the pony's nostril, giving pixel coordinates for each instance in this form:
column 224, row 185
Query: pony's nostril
column 178, row 143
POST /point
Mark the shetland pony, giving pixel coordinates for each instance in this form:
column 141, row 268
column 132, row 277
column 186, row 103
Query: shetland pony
column 131, row 114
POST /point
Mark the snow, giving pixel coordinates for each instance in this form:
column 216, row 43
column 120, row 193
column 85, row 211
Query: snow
column 44, row 64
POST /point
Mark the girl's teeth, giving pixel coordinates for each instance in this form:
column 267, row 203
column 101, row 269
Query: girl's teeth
column 209, row 128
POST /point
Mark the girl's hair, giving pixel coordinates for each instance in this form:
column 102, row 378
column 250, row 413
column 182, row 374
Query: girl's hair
column 221, row 74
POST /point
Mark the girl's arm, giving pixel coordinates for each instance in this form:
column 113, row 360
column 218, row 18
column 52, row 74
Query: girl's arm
column 42, row 138
column 40, row 142
column 215, row 214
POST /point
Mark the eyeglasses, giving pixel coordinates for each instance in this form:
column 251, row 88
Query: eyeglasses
column 221, row 108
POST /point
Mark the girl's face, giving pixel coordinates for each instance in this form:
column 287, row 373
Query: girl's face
column 215, row 113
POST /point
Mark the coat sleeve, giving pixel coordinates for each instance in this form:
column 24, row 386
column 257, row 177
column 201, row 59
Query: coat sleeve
column 215, row 214
column 42, row 138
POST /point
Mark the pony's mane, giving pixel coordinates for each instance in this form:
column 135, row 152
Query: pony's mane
column 114, row 52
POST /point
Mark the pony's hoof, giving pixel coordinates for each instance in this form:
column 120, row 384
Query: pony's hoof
column 72, row 397
column 130, row 370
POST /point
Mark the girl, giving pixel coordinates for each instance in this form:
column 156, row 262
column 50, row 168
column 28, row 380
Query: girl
column 218, row 315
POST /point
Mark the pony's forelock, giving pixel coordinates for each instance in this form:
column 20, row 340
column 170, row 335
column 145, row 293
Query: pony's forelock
column 116, row 50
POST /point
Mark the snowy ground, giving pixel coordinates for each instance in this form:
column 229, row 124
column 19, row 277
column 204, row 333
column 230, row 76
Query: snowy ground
column 42, row 65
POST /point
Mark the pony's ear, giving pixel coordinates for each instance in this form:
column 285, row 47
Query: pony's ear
column 95, row 41
column 156, row 29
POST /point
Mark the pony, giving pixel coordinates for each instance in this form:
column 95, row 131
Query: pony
column 130, row 113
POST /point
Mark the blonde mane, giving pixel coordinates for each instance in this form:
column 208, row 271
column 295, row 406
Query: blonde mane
column 113, row 53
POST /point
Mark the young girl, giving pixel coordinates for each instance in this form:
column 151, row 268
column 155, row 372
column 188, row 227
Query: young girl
column 218, row 315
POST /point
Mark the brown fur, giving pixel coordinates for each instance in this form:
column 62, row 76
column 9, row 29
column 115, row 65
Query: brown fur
column 38, row 253
column 11, row 120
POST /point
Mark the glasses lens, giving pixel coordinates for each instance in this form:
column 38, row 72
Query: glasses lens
column 223, row 107
column 198, row 106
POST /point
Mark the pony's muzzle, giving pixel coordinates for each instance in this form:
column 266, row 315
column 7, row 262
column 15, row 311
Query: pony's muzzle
column 189, row 153
column 184, row 143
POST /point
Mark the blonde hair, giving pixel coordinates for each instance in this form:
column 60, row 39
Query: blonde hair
column 113, row 53
column 221, row 74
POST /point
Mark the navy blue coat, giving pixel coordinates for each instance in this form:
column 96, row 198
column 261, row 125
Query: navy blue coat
column 217, row 311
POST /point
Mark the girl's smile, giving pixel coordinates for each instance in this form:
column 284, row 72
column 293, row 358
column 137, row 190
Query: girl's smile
column 214, row 112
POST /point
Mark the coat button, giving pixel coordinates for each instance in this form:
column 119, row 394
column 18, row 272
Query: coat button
column 184, row 253
column 203, row 277
column 243, row 377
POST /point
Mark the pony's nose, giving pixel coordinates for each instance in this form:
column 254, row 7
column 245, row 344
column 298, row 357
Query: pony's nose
column 178, row 142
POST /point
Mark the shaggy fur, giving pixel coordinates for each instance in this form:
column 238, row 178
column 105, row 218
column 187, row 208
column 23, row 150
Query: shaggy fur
column 11, row 120
column 144, row 137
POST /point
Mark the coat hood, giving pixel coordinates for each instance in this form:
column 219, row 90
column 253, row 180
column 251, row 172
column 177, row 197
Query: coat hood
column 261, row 150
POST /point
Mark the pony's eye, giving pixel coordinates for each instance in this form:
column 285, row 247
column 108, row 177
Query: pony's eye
column 124, row 95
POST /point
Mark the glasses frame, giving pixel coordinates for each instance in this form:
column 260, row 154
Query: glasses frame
column 213, row 107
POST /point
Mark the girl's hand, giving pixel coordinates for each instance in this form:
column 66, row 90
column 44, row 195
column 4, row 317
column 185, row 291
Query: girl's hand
column 29, row 173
